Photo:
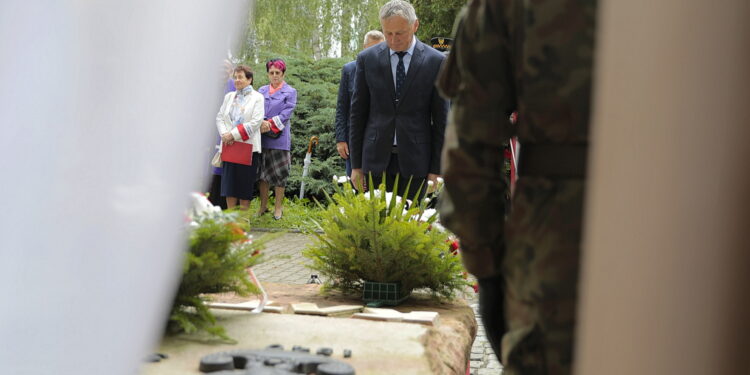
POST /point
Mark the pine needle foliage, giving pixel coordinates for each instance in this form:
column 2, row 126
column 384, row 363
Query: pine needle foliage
column 376, row 236
column 217, row 259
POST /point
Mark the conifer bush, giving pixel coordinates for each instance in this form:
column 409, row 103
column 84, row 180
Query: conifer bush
column 376, row 236
column 217, row 259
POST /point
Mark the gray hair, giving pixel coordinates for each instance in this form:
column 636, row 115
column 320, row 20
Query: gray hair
column 399, row 8
column 374, row 35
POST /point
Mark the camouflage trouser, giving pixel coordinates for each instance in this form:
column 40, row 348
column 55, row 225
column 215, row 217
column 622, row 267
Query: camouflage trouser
column 541, row 266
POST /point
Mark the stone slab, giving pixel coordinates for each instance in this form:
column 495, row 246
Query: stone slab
column 309, row 308
column 270, row 307
column 446, row 347
column 377, row 347
column 391, row 315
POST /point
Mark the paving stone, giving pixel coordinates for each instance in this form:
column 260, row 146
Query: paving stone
column 494, row 364
column 476, row 357
column 489, row 371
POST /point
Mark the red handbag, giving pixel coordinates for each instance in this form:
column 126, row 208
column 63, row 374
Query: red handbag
column 238, row 153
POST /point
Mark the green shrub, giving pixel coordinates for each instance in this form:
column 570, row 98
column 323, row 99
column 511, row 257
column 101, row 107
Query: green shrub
column 216, row 261
column 375, row 236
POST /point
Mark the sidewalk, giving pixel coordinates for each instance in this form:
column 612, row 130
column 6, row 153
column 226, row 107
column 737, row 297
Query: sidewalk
column 284, row 263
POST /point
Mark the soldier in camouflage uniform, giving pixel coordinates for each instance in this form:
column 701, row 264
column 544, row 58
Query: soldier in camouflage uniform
column 535, row 57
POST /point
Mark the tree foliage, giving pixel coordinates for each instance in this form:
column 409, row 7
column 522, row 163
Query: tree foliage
column 316, row 28
column 329, row 28
column 436, row 17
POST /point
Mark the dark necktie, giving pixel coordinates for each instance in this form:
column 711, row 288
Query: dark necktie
column 400, row 73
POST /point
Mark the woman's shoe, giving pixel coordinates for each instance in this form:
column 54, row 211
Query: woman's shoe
column 261, row 213
column 275, row 217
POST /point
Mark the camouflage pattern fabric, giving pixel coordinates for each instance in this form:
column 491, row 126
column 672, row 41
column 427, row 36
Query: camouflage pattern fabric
column 541, row 276
column 535, row 57
column 478, row 79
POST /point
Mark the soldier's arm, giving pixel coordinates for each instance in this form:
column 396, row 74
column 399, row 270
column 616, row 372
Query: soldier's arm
column 479, row 80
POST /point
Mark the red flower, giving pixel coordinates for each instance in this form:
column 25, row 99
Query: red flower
column 236, row 229
column 514, row 117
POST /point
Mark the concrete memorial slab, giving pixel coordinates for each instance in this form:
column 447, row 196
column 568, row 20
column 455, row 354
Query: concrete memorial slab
column 371, row 347
column 377, row 347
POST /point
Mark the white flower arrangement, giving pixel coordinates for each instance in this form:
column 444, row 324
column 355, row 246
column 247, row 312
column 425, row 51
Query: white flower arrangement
column 201, row 208
column 425, row 216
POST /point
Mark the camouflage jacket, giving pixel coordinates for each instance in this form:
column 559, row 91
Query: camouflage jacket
column 533, row 57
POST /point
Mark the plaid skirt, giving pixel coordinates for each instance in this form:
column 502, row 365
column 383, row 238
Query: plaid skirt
column 275, row 166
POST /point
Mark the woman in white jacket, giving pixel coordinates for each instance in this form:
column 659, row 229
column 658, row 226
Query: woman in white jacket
column 239, row 120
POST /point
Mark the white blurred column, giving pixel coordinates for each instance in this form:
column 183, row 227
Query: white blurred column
column 106, row 110
column 667, row 251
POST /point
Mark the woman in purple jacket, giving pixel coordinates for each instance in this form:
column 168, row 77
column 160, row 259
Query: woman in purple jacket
column 280, row 100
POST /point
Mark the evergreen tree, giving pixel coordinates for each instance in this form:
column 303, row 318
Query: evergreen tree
column 436, row 17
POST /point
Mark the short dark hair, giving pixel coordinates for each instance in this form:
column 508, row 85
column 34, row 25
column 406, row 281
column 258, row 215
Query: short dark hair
column 245, row 69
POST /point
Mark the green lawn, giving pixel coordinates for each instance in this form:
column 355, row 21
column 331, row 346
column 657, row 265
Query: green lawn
column 298, row 215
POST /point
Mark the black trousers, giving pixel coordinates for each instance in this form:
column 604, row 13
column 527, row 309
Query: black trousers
column 417, row 184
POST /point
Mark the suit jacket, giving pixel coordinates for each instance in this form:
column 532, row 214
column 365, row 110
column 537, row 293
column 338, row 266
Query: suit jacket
column 252, row 116
column 418, row 119
column 343, row 104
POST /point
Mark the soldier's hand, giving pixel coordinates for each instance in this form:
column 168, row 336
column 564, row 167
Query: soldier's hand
column 358, row 179
column 343, row 149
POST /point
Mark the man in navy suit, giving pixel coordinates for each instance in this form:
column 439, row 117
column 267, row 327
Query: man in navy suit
column 346, row 87
column 397, row 116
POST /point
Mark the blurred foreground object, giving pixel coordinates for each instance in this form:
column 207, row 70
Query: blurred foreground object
column 665, row 271
column 104, row 107
column 535, row 58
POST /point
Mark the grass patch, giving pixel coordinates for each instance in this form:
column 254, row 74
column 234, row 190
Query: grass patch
column 298, row 215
